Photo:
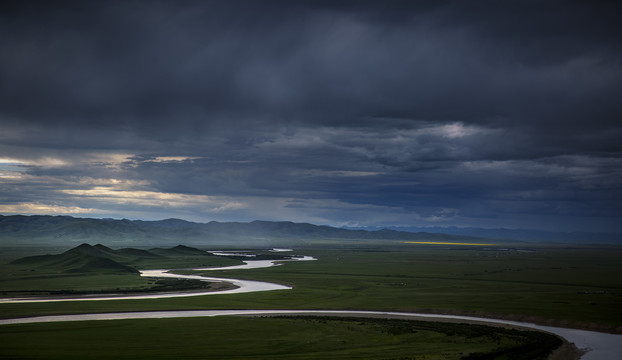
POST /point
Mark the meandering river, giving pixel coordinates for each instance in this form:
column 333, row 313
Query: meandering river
column 599, row 346
column 242, row 286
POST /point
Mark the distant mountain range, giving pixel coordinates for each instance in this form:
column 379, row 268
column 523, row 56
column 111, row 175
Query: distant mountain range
column 67, row 230
column 518, row 234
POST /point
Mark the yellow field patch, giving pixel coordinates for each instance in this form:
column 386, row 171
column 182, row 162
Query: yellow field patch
column 444, row 243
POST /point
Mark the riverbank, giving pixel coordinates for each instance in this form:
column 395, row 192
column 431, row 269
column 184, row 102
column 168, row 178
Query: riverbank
column 523, row 318
column 291, row 337
column 598, row 346
column 221, row 286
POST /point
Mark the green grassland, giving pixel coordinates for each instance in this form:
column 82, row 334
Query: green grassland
column 98, row 269
column 579, row 287
column 563, row 286
column 271, row 338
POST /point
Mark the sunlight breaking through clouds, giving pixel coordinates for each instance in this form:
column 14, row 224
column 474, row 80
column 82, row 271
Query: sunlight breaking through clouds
column 68, row 159
column 455, row 130
column 163, row 159
column 117, row 183
column 37, row 208
column 110, row 195
column 10, row 168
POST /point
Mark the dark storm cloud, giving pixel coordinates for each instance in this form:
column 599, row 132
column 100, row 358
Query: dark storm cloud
column 431, row 111
column 143, row 63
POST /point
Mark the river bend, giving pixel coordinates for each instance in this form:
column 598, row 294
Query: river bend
column 242, row 286
column 599, row 346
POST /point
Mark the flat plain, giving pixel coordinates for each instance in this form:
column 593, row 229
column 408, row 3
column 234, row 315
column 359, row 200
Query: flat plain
column 271, row 338
column 554, row 285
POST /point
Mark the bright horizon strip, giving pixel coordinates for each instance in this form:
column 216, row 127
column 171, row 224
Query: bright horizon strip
column 443, row 243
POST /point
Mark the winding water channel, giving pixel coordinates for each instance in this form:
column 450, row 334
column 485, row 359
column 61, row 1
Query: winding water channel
column 599, row 346
column 242, row 286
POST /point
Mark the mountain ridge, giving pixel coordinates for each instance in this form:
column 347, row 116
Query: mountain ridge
column 67, row 230
column 47, row 229
column 504, row 234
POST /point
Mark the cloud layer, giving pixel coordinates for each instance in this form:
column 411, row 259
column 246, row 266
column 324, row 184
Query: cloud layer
column 493, row 114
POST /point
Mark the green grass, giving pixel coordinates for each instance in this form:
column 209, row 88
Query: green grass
column 579, row 287
column 295, row 338
column 80, row 273
column 183, row 262
column 576, row 286
column 74, row 282
column 87, row 258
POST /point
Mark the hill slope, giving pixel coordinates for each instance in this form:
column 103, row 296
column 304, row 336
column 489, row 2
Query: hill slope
column 81, row 259
column 179, row 250
column 98, row 258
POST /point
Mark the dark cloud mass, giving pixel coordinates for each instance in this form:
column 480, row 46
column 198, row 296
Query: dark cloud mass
column 444, row 113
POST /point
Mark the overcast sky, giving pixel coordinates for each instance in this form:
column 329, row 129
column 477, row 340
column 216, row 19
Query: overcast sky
column 383, row 113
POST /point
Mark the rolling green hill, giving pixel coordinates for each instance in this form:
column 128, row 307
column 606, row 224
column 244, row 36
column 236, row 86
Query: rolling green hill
column 179, row 250
column 98, row 258
column 89, row 269
column 81, row 259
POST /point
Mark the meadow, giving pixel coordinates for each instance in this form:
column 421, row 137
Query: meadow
column 563, row 286
column 295, row 338
column 50, row 271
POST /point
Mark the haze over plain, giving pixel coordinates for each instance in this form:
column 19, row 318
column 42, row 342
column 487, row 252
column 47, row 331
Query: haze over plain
column 448, row 113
